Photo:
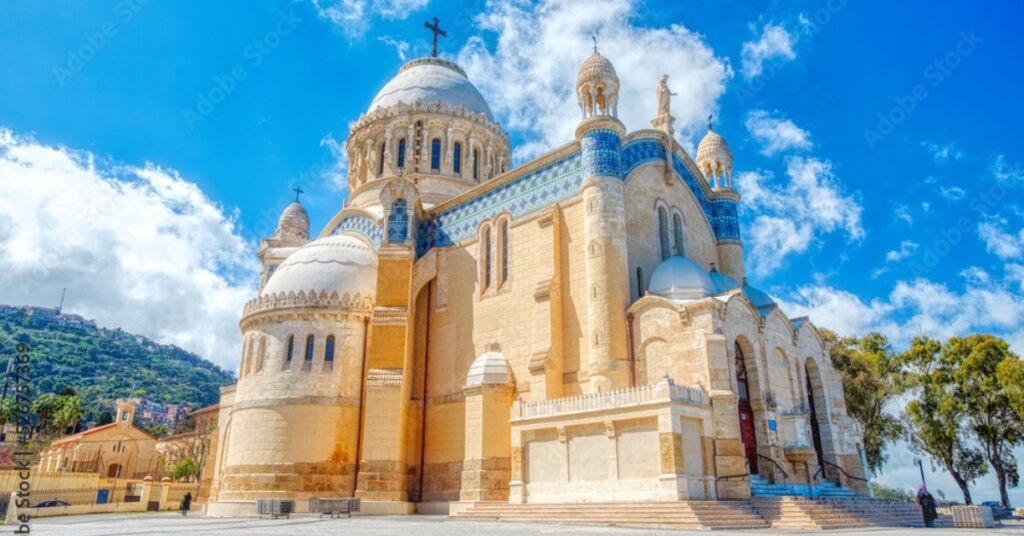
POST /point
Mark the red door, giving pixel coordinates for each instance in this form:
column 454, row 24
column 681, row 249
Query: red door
column 747, row 434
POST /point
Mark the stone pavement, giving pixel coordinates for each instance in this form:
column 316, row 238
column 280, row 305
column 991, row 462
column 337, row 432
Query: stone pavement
column 160, row 524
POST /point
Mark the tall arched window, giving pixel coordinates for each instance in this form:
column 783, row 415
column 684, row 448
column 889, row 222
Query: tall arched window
column 380, row 163
column 487, row 259
column 401, row 153
column 503, row 236
column 639, row 282
column 457, row 159
column 476, row 164
column 398, row 222
column 261, row 354
column 680, row 237
column 329, row 353
column 308, row 362
column 288, row 356
column 435, row 155
column 247, row 353
column 666, row 251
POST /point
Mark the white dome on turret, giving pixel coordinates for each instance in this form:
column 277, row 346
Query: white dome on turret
column 679, row 278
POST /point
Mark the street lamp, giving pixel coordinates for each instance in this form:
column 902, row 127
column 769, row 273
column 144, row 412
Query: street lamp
column 920, row 465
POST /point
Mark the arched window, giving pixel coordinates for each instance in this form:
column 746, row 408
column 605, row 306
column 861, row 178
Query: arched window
column 639, row 282
column 290, row 352
column 435, row 155
column 261, row 354
column 398, row 222
column 476, row 164
column 504, row 251
column 666, row 251
column 487, row 259
column 329, row 353
column 457, row 159
column 680, row 237
column 380, row 163
column 308, row 362
column 246, row 357
column 401, row 153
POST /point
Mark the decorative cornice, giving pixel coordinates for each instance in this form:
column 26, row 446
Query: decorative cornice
column 403, row 109
column 390, row 316
column 311, row 299
column 384, row 377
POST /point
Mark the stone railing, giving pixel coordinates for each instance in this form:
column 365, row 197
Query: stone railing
column 663, row 391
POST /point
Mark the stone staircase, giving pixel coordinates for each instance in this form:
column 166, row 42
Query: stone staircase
column 838, row 513
column 759, row 487
column 676, row 515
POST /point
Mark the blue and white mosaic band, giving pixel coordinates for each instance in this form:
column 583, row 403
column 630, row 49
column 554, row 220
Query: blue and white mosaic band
column 602, row 154
column 360, row 225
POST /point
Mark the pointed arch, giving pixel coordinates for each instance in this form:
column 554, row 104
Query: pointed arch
column 666, row 250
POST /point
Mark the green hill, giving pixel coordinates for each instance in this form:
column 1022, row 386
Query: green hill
column 103, row 364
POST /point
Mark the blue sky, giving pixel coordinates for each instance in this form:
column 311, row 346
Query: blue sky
column 148, row 145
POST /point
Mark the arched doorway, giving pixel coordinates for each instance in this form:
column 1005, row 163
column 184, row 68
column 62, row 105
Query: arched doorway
column 746, row 411
column 114, row 470
column 816, row 405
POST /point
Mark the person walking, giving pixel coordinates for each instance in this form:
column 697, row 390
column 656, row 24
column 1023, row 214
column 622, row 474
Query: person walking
column 927, row 504
column 186, row 503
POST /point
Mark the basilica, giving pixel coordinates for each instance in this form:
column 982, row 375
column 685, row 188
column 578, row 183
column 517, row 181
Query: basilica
column 578, row 328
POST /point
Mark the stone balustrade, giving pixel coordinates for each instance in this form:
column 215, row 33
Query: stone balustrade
column 664, row 391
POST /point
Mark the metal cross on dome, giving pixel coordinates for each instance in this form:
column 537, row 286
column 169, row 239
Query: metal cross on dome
column 436, row 28
column 297, row 191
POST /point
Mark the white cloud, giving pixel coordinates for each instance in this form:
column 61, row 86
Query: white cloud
column 354, row 16
column 137, row 248
column 776, row 134
column 921, row 307
column 527, row 58
column 902, row 212
column 793, row 214
column 907, row 248
column 401, row 47
column 943, row 153
column 1006, row 171
column 337, row 173
column 1003, row 244
column 774, row 43
column 953, row 193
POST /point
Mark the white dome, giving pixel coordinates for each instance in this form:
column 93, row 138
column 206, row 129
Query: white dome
column 432, row 80
column 294, row 222
column 490, row 368
column 723, row 283
column 679, row 278
column 338, row 263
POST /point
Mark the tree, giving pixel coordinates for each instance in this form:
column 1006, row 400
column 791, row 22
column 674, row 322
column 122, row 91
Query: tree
column 1011, row 377
column 975, row 362
column 871, row 380
column 935, row 418
column 185, row 469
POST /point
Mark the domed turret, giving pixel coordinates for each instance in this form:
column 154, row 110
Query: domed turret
column 715, row 160
column 338, row 263
column 432, row 124
column 597, row 87
column 293, row 223
column 679, row 278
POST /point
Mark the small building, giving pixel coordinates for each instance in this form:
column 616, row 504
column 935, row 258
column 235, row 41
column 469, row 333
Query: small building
column 116, row 450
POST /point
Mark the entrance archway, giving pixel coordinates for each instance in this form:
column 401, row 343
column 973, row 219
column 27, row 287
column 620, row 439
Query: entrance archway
column 746, row 411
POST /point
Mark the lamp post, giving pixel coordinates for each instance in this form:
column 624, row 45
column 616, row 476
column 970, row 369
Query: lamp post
column 920, row 465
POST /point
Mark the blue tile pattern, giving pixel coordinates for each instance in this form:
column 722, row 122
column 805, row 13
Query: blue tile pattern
column 523, row 195
column 602, row 154
column 360, row 225
column 722, row 213
column 398, row 222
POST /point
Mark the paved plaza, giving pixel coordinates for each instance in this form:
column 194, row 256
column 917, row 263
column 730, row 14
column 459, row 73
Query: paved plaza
column 159, row 524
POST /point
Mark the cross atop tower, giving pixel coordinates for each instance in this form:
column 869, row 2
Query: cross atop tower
column 297, row 191
column 436, row 28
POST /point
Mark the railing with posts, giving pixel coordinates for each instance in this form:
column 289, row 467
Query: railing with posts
column 848, row 475
column 665, row 390
column 785, row 475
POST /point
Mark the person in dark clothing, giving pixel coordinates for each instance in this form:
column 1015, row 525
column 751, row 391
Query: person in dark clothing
column 186, row 503
column 927, row 504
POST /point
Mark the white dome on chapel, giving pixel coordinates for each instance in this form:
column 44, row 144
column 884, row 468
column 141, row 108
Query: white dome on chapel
column 338, row 263
column 679, row 278
column 432, row 80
